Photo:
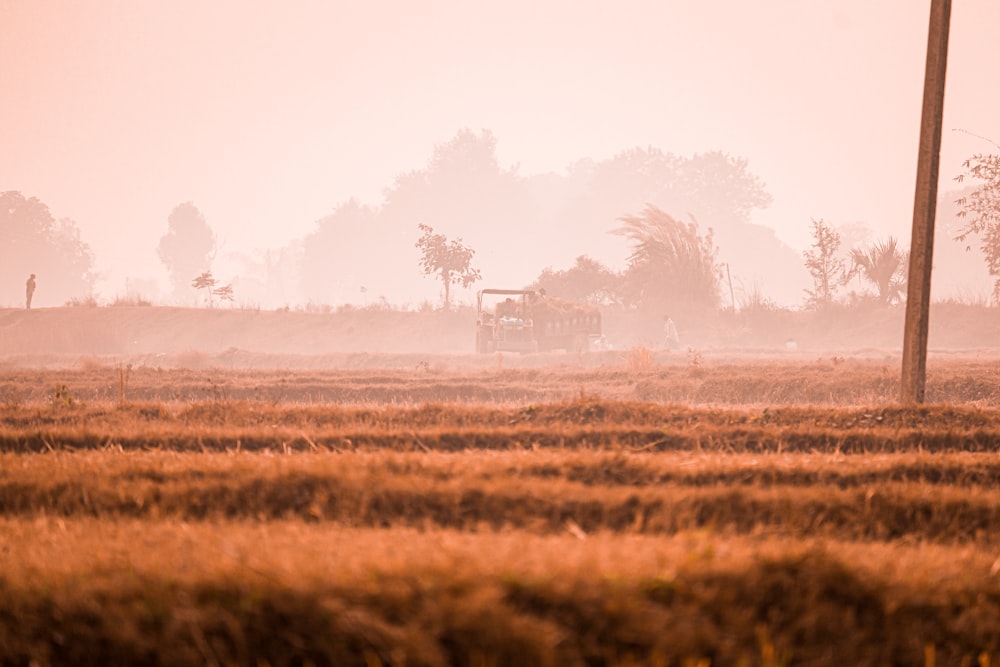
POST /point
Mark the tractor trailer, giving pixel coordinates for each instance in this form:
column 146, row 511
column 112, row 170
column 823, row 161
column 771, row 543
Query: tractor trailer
column 529, row 321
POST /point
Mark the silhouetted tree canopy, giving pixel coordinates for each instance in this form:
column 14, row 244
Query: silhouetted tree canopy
column 32, row 241
column 187, row 249
column 520, row 225
column 587, row 280
column 464, row 191
column 461, row 172
column 715, row 188
column 344, row 253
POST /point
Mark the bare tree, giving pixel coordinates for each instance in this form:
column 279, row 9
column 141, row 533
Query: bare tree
column 980, row 211
column 823, row 264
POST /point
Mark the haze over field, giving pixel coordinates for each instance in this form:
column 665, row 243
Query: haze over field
column 270, row 118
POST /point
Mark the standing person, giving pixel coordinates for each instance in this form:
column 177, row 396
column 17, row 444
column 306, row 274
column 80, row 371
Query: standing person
column 670, row 337
column 29, row 291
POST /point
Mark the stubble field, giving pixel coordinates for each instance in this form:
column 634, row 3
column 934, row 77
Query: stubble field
column 636, row 510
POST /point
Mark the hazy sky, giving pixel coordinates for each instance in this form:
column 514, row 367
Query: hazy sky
column 267, row 115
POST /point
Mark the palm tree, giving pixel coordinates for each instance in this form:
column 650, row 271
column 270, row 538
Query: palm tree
column 884, row 265
column 672, row 263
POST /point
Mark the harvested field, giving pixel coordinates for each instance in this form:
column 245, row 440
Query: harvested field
column 190, row 593
column 775, row 494
column 542, row 516
column 637, row 375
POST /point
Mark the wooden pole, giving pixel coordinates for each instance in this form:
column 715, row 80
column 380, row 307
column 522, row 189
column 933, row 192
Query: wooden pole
column 732, row 295
column 918, row 290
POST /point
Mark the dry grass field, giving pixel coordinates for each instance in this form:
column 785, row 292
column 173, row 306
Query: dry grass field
column 633, row 508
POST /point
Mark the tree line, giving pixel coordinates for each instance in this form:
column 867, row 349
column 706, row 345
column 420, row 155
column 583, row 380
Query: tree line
column 674, row 262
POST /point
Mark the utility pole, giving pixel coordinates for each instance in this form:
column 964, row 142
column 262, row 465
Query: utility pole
column 918, row 289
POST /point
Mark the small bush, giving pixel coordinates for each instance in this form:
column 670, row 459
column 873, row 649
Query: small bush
column 638, row 360
column 82, row 302
column 193, row 359
column 91, row 363
column 131, row 300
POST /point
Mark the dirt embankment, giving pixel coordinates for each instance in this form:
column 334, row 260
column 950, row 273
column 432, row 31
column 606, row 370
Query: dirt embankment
column 149, row 333
column 167, row 330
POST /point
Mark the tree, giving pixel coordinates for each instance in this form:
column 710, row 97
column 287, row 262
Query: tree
column 32, row 241
column 337, row 256
column 672, row 266
column 719, row 190
column 208, row 283
column 466, row 192
column 450, row 260
column 980, row 211
column 188, row 247
column 823, row 264
column 883, row 265
column 586, row 280
column 716, row 187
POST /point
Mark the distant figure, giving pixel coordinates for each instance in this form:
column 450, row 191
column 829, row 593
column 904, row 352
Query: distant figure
column 670, row 338
column 506, row 308
column 29, row 291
